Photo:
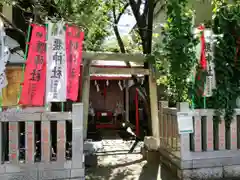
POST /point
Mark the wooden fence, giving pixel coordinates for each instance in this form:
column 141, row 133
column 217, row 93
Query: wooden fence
column 26, row 154
column 210, row 145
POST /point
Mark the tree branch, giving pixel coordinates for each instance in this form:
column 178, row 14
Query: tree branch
column 150, row 26
column 121, row 13
column 140, row 23
column 135, row 8
column 114, row 14
column 116, row 31
column 11, row 24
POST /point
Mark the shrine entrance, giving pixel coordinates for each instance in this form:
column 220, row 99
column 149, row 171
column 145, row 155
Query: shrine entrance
column 105, row 90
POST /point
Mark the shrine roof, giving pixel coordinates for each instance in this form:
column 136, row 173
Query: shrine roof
column 97, row 58
column 109, row 56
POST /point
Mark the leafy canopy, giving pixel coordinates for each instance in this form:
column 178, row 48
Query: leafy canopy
column 91, row 15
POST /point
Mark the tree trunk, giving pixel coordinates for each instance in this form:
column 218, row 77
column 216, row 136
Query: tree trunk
column 119, row 40
column 145, row 26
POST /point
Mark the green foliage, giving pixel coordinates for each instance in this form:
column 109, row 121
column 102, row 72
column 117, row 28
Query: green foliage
column 91, row 15
column 227, row 67
column 179, row 48
column 129, row 45
column 96, row 16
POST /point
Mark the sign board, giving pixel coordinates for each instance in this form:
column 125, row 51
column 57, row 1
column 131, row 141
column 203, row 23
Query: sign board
column 185, row 123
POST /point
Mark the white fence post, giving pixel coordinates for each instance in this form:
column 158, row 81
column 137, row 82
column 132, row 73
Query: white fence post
column 184, row 138
column 29, row 142
column 13, row 142
column 162, row 104
column 233, row 135
column 77, row 140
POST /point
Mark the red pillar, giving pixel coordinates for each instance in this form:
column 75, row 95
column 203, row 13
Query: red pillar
column 137, row 113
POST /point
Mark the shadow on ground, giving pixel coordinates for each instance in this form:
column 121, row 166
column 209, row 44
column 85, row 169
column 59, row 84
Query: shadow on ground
column 134, row 170
column 113, row 162
column 111, row 172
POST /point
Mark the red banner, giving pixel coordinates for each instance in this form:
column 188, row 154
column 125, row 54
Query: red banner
column 203, row 60
column 33, row 89
column 74, row 41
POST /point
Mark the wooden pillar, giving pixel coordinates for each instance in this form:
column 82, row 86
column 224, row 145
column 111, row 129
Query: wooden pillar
column 85, row 94
column 77, row 140
column 154, row 105
column 127, row 101
column 137, row 113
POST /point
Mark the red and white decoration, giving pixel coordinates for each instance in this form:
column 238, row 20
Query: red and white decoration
column 210, row 83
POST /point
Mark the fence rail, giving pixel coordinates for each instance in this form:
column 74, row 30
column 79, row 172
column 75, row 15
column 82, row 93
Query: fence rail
column 49, row 144
column 209, row 140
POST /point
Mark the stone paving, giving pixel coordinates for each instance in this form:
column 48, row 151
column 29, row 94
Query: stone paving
column 114, row 163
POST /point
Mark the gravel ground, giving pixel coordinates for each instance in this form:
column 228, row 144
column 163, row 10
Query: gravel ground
column 114, row 163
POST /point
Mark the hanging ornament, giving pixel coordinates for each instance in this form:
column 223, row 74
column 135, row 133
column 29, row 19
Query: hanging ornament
column 107, row 83
column 120, row 85
column 142, row 81
column 210, row 83
column 124, row 84
column 97, row 86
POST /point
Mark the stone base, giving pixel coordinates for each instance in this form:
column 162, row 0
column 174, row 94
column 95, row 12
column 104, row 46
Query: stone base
column 65, row 174
column 150, row 155
column 144, row 153
column 201, row 173
column 151, row 143
column 42, row 171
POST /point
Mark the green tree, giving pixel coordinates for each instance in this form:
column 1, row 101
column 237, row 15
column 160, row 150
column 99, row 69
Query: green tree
column 92, row 15
column 179, row 48
column 143, row 11
column 96, row 17
column 129, row 45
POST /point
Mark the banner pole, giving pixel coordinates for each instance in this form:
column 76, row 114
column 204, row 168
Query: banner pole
column 62, row 103
column 193, row 96
column 2, row 52
column 25, row 58
column 46, row 26
column 204, row 98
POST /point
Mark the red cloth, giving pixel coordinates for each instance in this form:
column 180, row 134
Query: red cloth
column 74, row 42
column 203, row 60
column 200, row 77
column 33, row 89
